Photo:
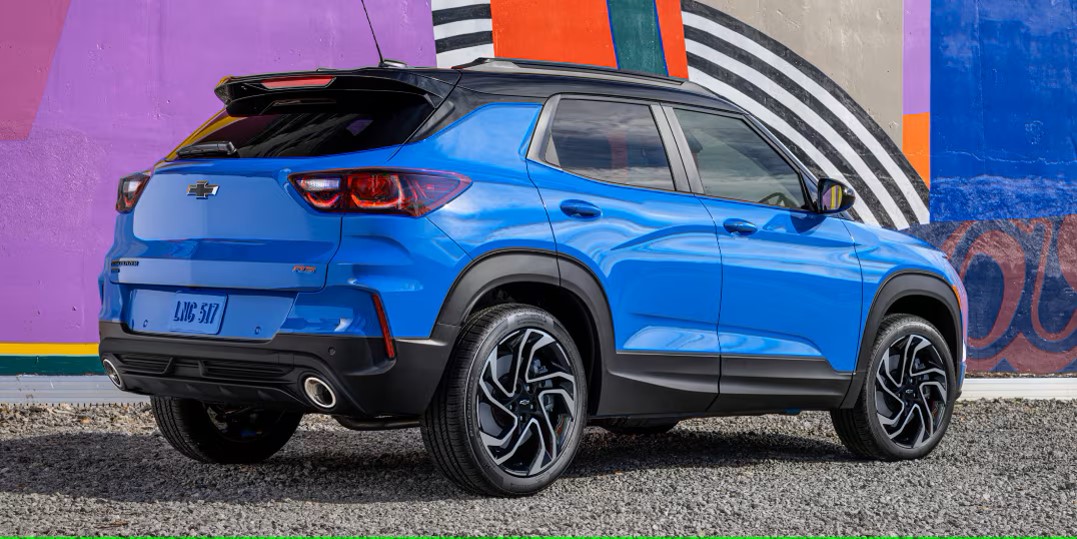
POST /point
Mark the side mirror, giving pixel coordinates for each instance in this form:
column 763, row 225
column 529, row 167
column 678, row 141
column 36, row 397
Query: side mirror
column 834, row 196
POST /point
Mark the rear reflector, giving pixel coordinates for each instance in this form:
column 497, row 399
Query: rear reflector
column 130, row 189
column 386, row 335
column 399, row 191
column 297, row 82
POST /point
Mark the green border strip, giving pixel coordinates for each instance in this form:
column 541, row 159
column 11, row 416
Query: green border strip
column 50, row 365
column 573, row 536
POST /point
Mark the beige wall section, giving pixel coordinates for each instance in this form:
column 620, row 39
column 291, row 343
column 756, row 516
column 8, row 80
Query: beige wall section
column 857, row 43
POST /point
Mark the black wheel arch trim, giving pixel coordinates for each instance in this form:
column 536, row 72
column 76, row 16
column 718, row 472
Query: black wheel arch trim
column 897, row 286
column 523, row 265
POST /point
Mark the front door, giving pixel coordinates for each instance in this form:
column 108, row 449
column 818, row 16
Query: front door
column 791, row 294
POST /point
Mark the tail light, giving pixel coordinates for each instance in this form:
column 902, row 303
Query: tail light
column 407, row 192
column 297, row 82
column 131, row 188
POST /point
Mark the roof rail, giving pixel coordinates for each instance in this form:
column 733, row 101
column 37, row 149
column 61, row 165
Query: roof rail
column 565, row 68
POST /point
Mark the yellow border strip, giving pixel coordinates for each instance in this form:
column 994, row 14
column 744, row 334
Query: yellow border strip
column 48, row 349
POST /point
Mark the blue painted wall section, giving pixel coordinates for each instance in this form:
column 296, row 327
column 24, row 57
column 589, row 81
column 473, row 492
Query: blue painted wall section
column 1004, row 109
column 1021, row 277
column 1004, row 175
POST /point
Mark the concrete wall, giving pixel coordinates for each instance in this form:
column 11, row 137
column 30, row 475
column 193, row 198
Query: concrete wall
column 941, row 115
column 857, row 43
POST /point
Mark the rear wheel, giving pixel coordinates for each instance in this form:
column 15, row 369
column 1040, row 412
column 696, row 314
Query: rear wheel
column 906, row 403
column 638, row 427
column 220, row 434
column 509, row 414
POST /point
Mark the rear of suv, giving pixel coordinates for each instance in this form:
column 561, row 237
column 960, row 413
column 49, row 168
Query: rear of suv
column 503, row 253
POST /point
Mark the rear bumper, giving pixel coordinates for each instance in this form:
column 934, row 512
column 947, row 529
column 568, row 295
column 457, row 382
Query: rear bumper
column 270, row 373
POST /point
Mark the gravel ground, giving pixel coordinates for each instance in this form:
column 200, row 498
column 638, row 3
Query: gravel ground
column 1006, row 467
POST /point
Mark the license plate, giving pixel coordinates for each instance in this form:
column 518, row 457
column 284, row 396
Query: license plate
column 197, row 313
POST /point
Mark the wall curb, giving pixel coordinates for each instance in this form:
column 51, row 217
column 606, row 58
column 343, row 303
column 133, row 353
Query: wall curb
column 95, row 389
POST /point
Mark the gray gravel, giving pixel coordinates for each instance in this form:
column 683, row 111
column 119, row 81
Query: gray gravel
column 1006, row 467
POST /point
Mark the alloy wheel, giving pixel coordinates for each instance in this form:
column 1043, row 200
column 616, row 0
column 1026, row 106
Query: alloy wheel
column 911, row 394
column 526, row 402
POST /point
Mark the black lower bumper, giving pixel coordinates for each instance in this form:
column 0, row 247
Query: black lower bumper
column 270, row 373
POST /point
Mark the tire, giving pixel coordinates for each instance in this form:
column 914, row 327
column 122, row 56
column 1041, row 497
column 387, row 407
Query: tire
column 639, row 427
column 211, row 434
column 888, row 421
column 468, row 429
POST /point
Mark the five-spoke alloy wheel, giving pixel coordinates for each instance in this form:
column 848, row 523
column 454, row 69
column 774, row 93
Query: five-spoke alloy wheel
column 509, row 413
column 526, row 402
column 911, row 393
column 905, row 404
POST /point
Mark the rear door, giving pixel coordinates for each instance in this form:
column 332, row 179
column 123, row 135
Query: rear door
column 790, row 307
column 619, row 204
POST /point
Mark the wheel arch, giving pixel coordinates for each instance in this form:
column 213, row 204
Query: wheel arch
column 918, row 293
column 554, row 282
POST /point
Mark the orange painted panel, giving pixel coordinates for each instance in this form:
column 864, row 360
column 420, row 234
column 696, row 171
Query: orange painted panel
column 556, row 30
column 916, row 143
column 672, row 28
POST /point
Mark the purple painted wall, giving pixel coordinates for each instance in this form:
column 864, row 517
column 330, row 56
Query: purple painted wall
column 916, row 57
column 128, row 79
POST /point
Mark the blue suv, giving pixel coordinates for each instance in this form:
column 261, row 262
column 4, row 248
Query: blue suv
column 503, row 253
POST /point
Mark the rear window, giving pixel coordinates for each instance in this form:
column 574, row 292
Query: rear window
column 313, row 130
column 610, row 141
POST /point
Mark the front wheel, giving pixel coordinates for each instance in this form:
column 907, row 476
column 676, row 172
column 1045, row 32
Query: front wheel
column 907, row 400
column 220, row 434
column 509, row 414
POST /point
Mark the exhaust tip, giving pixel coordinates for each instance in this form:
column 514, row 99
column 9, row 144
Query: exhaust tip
column 319, row 393
column 112, row 372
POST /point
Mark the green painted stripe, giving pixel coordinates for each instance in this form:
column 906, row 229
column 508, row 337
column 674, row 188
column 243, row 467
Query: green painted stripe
column 50, row 365
column 636, row 36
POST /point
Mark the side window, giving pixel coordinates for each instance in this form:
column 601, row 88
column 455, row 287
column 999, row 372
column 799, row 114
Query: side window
column 735, row 162
column 610, row 141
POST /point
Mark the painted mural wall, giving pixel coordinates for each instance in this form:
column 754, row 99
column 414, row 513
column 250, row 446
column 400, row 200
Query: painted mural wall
column 954, row 120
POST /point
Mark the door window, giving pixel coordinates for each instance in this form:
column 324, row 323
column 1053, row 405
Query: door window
column 610, row 141
column 734, row 161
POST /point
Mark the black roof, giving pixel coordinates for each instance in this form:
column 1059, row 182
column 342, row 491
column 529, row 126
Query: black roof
column 532, row 78
column 507, row 77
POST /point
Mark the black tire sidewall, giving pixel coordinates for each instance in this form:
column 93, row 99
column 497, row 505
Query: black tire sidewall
column 503, row 326
column 195, row 435
column 899, row 328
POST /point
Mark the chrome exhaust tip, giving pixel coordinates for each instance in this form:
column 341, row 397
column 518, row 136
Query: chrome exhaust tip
column 113, row 373
column 319, row 393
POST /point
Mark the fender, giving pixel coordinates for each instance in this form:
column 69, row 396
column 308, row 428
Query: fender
column 490, row 271
column 896, row 286
column 507, row 266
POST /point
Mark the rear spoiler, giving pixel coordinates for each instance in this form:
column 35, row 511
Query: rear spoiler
column 253, row 94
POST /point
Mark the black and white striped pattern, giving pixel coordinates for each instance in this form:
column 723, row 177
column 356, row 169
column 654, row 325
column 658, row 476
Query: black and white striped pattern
column 804, row 108
column 463, row 31
column 807, row 110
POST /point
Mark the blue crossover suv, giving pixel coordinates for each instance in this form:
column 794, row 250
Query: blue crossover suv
column 501, row 254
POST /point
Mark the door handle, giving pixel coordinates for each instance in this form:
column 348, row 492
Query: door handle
column 579, row 209
column 740, row 227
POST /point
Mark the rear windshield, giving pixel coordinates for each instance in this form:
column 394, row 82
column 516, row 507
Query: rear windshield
column 308, row 131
